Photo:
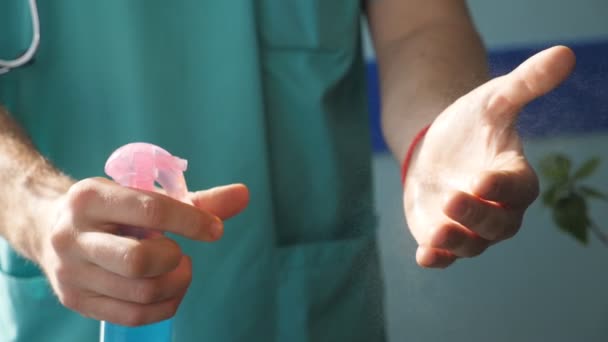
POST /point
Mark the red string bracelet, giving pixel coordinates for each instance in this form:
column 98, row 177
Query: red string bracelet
column 410, row 152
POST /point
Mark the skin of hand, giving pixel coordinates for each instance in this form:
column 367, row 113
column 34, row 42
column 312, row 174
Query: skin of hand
column 469, row 182
column 120, row 279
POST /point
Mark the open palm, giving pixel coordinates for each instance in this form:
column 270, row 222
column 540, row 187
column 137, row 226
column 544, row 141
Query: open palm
column 469, row 182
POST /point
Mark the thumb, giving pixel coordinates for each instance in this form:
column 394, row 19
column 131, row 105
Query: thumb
column 222, row 201
column 535, row 77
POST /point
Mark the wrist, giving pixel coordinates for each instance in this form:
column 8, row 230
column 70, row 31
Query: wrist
column 40, row 237
column 411, row 151
column 43, row 191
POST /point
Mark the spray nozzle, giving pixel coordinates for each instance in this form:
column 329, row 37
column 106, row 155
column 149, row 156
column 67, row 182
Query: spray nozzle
column 140, row 165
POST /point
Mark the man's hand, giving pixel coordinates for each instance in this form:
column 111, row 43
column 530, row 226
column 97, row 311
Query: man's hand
column 121, row 279
column 469, row 182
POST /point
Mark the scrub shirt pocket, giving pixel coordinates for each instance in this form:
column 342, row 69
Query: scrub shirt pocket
column 309, row 24
column 331, row 291
column 29, row 311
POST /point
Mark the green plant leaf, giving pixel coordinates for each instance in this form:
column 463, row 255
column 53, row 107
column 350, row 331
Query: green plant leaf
column 587, row 168
column 556, row 168
column 591, row 192
column 570, row 215
column 555, row 192
column 549, row 196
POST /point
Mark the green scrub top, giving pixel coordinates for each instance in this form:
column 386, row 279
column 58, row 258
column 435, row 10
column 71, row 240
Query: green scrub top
column 266, row 92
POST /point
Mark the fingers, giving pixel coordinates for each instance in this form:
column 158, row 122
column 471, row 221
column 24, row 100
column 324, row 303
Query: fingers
column 129, row 257
column 471, row 226
column 488, row 220
column 434, row 258
column 116, row 311
column 512, row 189
column 102, row 202
column 96, row 280
column 102, row 295
column 126, row 280
column 458, row 240
column 222, row 201
column 535, row 77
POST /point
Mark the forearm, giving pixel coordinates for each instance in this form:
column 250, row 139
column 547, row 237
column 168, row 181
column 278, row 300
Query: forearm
column 425, row 71
column 30, row 189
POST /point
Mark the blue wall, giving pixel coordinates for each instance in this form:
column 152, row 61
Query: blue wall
column 579, row 106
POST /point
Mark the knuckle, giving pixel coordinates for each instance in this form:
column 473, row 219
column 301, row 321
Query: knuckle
column 61, row 239
column 135, row 317
column 499, row 103
column 185, row 278
column 509, row 234
column 134, row 259
column 446, row 236
column 172, row 309
column 461, row 209
column 152, row 210
column 174, row 254
column 81, row 194
column 477, row 249
column 70, row 299
column 429, row 262
column 188, row 278
column 494, row 184
column 63, row 273
column 512, row 230
column 146, row 292
column 190, row 224
column 195, row 224
column 169, row 311
column 494, row 233
column 184, row 283
column 504, row 227
column 471, row 216
column 423, row 263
